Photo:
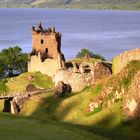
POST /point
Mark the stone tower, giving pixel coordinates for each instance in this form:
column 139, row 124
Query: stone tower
column 46, row 55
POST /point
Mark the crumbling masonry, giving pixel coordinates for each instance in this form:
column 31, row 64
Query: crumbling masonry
column 46, row 55
column 120, row 61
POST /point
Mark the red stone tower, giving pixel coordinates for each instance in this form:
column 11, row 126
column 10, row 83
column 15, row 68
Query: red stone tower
column 46, row 55
column 47, row 42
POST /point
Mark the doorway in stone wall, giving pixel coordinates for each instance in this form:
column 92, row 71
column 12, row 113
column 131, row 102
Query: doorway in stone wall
column 46, row 50
column 7, row 105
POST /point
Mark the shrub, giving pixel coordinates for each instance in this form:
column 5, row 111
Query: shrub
column 84, row 52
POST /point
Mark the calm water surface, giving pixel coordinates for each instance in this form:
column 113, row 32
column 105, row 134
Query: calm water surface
column 105, row 32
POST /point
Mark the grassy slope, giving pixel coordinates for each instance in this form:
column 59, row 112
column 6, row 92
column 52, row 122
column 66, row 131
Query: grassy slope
column 84, row 4
column 20, row 128
column 36, row 127
column 3, row 87
column 19, row 83
column 90, row 60
column 38, row 79
column 73, row 110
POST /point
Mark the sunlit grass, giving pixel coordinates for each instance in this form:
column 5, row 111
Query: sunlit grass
column 18, row 84
column 73, row 109
column 20, row 128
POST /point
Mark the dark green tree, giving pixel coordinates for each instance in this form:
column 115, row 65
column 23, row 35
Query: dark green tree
column 12, row 61
column 84, row 52
column 1, row 68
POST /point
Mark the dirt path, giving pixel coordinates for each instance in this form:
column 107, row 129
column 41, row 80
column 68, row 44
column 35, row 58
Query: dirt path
column 25, row 84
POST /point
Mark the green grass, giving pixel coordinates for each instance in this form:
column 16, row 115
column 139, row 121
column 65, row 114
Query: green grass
column 21, row 128
column 73, row 110
column 132, row 68
column 95, row 90
column 38, row 79
column 90, row 60
column 43, row 81
column 1, row 105
column 68, row 117
column 19, row 83
column 3, row 87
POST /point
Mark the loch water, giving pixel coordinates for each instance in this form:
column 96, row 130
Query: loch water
column 105, row 32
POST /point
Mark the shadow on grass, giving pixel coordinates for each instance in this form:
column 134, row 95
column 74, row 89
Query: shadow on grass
column 50, row 111
column 49, row 108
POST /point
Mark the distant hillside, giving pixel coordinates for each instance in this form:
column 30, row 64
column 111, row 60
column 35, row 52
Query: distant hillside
column 74, row 4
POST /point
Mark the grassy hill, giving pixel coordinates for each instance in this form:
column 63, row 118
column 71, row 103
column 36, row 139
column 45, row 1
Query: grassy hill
column 78, row 4
column 19, row 83
column 68, row 117
column 21, row 128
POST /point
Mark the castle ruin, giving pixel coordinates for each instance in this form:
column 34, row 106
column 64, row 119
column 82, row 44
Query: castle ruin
column 120, row 61
column 46, row 55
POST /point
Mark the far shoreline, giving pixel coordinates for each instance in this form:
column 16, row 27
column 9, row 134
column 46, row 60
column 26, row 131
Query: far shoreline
column 69, row 9
column 74, row 9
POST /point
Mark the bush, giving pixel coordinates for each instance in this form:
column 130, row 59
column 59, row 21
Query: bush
column 84, row 52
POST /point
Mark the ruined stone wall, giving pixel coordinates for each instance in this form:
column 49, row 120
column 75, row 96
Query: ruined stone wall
column 100, row 70
column 120, row 61
column 79, row 78
column 49, row 66
column 46, row 43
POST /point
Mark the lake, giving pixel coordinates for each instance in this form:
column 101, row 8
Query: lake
column 105, row 32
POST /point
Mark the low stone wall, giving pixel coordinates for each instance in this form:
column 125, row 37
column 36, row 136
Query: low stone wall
column 49, row 66
column 120, row 61
column 100, row 70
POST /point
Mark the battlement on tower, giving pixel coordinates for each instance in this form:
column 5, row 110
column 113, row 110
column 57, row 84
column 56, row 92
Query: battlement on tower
column 46, row 31
column 46, row 51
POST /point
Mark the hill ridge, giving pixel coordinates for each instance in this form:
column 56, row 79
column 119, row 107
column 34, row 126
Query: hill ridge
column 76, row 4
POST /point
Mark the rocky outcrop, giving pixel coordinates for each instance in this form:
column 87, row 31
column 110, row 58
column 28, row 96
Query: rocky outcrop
column 31, row 88
column 117, row 88
column 131, row 101
column 61, row 89
column 101, row 99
